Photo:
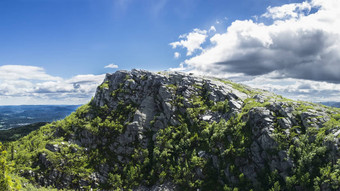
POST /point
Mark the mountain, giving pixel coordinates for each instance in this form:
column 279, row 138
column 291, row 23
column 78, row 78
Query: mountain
column 173, row 131
column 21, row 115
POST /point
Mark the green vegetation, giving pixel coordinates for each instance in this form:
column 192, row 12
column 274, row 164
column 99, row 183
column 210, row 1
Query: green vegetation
column 222, row 107
column 104, row 85
column 172, row 86
column 69, row 158
column 16, row 133
column 195, row 150
column 7, row 182
column 144, row 77
column 239, row 87
column 180, row 151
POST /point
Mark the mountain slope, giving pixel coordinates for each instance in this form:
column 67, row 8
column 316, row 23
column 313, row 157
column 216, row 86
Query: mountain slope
column 147, row 131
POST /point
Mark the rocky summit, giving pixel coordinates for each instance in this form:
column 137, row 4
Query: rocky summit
column 175, row 131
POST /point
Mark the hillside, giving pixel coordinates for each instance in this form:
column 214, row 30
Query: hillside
column 172, row 131
column 18, row 132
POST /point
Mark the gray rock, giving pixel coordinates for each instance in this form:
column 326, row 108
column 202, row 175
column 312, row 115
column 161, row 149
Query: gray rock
column 206, row 117
column 52, row 147
column 285, row 123
column 235, row 104
column 336, row 133
column 256, row 155
column 167, row 186
column 43, row 159
column 158, row 105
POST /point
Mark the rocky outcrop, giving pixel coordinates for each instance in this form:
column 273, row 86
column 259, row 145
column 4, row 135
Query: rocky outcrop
column 247, row 132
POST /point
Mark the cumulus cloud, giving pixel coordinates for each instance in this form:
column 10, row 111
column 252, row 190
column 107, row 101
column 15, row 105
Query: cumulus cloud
column 177, row 55
column 191, row 41
column 15, row 72
column 32, row 85
column 307, row 90
column 111, row 66
column 292, row 41
column 15, row 87
column 293, row 10
column 298, row 43
column 212, row 29
column 181, row 68
column 80, row 85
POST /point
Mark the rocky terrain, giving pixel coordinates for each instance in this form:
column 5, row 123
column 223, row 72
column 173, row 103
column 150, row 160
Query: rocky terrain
column 174, row 131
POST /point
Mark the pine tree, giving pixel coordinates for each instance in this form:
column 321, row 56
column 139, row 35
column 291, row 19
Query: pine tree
column 6, row 182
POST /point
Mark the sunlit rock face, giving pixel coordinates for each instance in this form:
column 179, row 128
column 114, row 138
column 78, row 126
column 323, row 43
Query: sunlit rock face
column 175, row 131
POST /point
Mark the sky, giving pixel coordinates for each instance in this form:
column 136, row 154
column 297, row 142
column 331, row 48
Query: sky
column 58, row 51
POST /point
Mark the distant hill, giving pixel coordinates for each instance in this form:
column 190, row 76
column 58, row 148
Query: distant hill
column 331, row 103
column 17, row 116
column 18, row 132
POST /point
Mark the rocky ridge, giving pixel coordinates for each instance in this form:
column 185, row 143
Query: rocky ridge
column 175, row 131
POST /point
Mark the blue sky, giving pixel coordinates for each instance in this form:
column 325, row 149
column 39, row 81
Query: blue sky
column 69, row 37
column 70, row 42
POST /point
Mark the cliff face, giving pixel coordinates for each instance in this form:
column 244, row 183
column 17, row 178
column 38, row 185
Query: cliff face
column 163, row 99
column 151, row 131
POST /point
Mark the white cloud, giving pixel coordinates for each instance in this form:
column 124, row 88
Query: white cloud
column 181, row 68
column 15, row 87
column 192, row 41
column 308, row 90
column 177, row 55
column 303, row 46
column 31, row 85
column 86, row 78
column 15, row 72
column 293, row 10
column 299, row 41
column 80, row 84
column 212, row 29
column 111, row 66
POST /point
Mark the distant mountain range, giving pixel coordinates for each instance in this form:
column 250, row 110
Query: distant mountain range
column 17, row 116
column 331, row 103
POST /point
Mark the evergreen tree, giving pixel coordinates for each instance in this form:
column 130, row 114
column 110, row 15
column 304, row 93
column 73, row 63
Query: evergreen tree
column 6, row 182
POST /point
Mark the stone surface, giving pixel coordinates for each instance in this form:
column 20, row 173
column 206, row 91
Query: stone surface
column 153, row 95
